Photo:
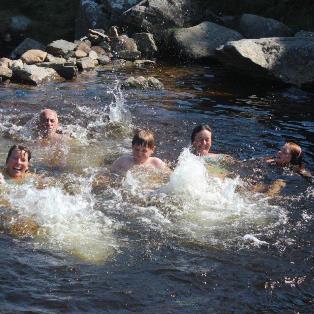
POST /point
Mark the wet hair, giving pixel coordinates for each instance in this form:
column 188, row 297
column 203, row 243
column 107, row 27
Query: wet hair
column 296, row 154
column 19, row 148
column 199, row 128
column 144, row 137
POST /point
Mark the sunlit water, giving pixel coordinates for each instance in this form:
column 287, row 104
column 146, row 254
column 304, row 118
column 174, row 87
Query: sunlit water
column 150, row 242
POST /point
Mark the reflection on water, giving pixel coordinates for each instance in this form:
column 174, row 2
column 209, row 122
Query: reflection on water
column 151, row 242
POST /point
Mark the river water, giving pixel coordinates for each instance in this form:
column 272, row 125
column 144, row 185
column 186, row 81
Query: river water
column 188, row 243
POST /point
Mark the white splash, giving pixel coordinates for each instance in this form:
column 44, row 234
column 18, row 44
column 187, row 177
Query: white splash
column 67, row 222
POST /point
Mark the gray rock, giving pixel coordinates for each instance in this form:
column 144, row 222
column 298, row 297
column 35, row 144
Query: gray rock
column 103, row 60
column 25, row 45
column 123, row 42
column 145, row 44
column 85, row 64
column 93, row 55
column 33, row 56
column 84, row 46
column 99, row 50
column 34, row 75
column 254, row 26
column 118, row 64
column 5, row 73
column 17, row 64
column 51, row 58
column 113, row 32
column 200, row 41
column 60, row 48
column 20, row 23
column 128, row 55
column 80, row 54
column 304, row 34
column 286, row 59
column 68, row 70
column 141, row 82
column 153, row 16
column 142, row 64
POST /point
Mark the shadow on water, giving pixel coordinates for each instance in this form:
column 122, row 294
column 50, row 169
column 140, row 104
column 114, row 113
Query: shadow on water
column 190, row 242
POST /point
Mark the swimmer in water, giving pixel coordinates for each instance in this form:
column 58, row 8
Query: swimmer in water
column 17, row 163
column 290, row 155
column 48, row 125
column 143, row 147
column 201, row 140
column 17, row 168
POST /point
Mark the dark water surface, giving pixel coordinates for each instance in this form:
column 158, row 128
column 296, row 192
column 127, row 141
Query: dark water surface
column 193, row 244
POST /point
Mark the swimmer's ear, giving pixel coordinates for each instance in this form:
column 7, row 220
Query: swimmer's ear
column 27, row 170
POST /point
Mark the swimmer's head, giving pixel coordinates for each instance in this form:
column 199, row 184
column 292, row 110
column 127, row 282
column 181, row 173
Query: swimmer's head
column 201, row 139
column 143, row 145
column 48, row 122
column 17, row 162
column 291, row 153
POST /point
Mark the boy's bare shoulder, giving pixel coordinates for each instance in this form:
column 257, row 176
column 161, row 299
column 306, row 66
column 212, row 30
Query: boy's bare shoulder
column 157, row 162
column 122, row 164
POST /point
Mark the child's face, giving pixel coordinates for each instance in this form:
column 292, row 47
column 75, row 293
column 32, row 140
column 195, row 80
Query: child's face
column 202, row 142
column 284, row 156
column 141, row 153
column 17, row 164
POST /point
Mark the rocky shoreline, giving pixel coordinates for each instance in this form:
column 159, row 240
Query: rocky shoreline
column 151, row 30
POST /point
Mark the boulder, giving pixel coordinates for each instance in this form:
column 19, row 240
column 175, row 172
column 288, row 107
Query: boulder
column 254, row 26
column 33, row 74
column 33, row 56
column 142, row 64
column 60, row 48
column 118, row 64
column 84, row 46
column 5, row 73
column 17, row 64
column 26, row 45
column 99, row 50
column 123, row 42
column 93, row 55
column 286, row 59
column 85, row 64
column 51, row 58
column 67, row 70
column 104, row 59
column 80, row 54
column 145, row 44
column 128, row 55
column 6, row 62
column 142, row 83
column 305, row 34
column 200, row 41
column 153, row 16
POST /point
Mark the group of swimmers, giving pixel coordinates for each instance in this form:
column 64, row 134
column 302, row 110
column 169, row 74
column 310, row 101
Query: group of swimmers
column 143, row 148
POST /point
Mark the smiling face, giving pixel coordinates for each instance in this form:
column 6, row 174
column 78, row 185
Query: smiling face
column 141, row 153
column 202, row 142
column 17, row 163
column 284, row 156
column 48, row 122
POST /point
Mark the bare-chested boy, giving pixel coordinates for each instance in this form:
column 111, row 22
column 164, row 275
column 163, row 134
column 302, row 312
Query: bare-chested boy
column 143, row 146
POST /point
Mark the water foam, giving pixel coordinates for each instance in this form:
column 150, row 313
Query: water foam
column 67, row 222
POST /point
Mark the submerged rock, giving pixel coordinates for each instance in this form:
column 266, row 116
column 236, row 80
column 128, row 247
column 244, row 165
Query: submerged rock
column 144, row 64
column 286, row 59
column 200, row 41
column 254, row 26
column 33, row 74
column 33, row 56
column 142, row 83
column 26, row 45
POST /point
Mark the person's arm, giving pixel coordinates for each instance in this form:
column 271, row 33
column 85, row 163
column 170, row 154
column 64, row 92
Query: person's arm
column 2, row 178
